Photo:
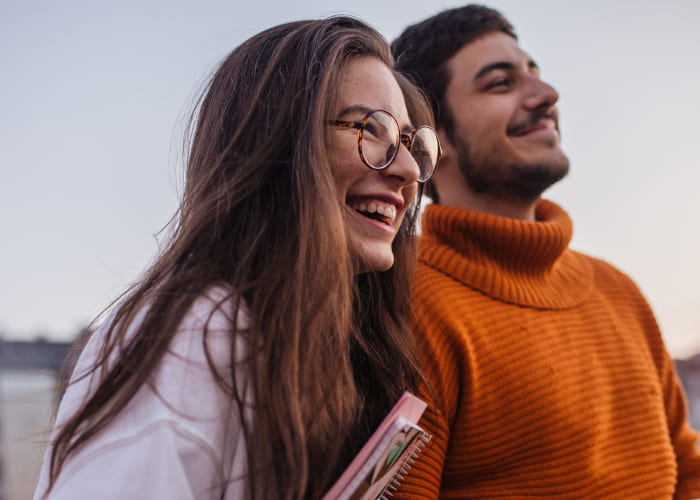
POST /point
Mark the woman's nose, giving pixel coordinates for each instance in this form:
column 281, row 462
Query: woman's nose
column 403, row 167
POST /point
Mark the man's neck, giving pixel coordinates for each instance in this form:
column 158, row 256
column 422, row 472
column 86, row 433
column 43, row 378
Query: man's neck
column 524, row 211
column 455, row 191
column 488, row 204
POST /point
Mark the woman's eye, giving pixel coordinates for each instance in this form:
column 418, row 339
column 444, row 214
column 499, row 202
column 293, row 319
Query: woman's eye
column 371, row 129
column 378, row 133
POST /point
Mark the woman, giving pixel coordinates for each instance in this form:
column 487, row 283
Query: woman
column 270, row 337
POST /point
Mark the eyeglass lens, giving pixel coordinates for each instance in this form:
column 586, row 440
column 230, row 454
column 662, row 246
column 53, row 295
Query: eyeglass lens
column 425, row 150
column 381, row 139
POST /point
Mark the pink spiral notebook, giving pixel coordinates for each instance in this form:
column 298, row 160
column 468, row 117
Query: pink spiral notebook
column 381, row 464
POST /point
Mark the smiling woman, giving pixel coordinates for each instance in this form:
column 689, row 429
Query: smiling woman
column 380, row 182
column 270, row 336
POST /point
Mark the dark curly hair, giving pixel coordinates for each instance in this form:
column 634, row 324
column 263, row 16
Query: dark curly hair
column 423, row 49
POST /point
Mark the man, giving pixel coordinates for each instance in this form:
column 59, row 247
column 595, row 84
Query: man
column 548, row 374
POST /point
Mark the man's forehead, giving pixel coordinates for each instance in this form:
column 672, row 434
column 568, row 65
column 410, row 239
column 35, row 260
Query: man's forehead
column 494, row 47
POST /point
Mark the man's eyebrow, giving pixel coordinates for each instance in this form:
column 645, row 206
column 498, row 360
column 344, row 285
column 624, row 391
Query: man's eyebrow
column 502, row 65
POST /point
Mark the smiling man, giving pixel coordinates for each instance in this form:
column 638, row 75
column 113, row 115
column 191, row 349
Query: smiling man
column 549, row 376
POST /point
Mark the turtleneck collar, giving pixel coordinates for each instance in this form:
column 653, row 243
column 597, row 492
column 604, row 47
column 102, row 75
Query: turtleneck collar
column 524, row 263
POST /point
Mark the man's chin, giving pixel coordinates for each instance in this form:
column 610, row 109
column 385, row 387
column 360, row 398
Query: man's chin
column 519, row 174
column 530, row 182
column 519, row 181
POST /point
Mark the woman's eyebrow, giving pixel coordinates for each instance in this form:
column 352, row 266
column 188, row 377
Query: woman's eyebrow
column 355, row 108
column 361, row 108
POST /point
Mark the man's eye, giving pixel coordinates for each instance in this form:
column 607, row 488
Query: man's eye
column 500, row 83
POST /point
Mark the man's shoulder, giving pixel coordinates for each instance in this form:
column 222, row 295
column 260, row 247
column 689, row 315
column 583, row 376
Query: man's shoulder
column 444, row 306
column 426, row 273
column 606, row 274
column 437, row 283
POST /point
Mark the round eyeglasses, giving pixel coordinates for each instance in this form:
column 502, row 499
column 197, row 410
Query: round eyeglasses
column 379, row 138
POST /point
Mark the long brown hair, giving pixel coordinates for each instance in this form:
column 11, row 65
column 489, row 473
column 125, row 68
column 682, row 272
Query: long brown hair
column 260, row 218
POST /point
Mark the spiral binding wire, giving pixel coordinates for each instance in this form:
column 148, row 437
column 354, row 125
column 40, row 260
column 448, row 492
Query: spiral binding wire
column 410, row 459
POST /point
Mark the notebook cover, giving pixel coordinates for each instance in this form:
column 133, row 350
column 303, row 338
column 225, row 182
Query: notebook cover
column 380, row 464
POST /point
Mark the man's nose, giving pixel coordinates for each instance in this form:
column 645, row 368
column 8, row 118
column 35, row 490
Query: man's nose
column 540, row 94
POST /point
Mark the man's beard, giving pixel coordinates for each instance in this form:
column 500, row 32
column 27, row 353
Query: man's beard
column 525, row 182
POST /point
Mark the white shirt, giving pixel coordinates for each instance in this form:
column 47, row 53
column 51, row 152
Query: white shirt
column 181, row 441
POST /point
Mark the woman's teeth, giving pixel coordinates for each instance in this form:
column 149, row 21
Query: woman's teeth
column 374, row 210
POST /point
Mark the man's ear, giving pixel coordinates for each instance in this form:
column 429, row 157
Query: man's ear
column 448, row 151
column 448, row 182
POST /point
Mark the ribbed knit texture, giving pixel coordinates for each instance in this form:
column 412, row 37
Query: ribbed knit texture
column 549, row 375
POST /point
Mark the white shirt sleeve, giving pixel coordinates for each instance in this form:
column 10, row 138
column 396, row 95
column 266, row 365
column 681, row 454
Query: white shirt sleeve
column 180, row 438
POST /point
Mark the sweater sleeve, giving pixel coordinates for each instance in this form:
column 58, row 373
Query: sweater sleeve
column 443, row 371
column 163, row 460
column 423, row 479
column 682, row 435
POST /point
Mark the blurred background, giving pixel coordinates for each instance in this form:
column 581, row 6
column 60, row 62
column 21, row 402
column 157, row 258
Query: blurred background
column 93, row 101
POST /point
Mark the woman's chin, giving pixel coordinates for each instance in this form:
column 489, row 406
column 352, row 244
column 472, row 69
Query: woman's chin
column 375, row 261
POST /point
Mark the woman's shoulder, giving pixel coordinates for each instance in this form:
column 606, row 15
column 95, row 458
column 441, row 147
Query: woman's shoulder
column 193, row 380
column 192, row 385
column 210, row 322
column 184, row 415
column 218, row 307
column 214, row 327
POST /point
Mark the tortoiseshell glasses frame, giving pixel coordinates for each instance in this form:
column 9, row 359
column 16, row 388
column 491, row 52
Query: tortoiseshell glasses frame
column 426, row 159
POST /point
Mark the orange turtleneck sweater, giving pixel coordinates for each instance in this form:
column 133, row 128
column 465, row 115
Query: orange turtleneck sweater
column 549, row 375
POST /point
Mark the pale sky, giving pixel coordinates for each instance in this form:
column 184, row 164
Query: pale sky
column 93, row 95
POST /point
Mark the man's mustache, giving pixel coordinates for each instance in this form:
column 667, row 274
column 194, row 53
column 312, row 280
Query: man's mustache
column 533, row 118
